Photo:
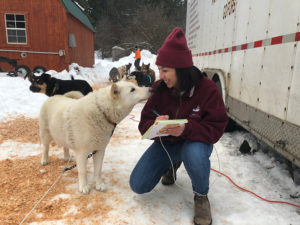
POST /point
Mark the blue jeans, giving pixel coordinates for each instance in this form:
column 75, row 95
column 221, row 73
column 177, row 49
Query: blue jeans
column 155, row 162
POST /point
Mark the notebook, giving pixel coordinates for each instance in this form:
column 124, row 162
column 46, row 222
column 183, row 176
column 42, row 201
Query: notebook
column 157, row 129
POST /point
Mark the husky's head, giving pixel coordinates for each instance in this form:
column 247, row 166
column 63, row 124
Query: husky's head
column 127, row 94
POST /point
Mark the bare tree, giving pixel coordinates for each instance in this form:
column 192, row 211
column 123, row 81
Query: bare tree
column 105, row 36
column 129, row 22
column 151, row 26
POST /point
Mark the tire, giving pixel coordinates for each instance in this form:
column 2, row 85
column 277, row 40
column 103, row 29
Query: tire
column 39, row 69
column 231, row 126
column 218, row 83
column 22, row 70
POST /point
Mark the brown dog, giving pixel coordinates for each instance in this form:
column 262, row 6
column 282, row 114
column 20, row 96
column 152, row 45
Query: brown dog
column 147, row 70
column 124, row 70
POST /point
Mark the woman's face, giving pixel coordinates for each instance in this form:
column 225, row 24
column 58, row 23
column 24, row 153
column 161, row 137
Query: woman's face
column 168, row 75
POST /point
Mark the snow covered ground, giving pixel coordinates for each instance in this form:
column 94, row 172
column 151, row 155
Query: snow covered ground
column 260, row 172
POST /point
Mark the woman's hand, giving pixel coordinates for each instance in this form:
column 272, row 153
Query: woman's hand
column 175, row 131
column 163, row 117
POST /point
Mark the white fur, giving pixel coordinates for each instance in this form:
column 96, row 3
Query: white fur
column 79, row 123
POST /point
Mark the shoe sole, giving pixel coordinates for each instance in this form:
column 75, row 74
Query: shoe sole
column 198, row 224
column 167, row 184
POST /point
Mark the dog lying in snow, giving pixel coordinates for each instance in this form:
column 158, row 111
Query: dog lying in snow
column 85, row 124
column 52, row 86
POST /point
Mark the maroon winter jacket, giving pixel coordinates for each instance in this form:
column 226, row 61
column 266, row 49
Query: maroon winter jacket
column 202, row 106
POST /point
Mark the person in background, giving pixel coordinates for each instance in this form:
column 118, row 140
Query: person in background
column 181, row 93
column 137, row 57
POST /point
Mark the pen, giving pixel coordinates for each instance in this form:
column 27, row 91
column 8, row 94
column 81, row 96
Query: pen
column 154, row 111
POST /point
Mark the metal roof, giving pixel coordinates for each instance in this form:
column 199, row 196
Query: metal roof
column 74, row 9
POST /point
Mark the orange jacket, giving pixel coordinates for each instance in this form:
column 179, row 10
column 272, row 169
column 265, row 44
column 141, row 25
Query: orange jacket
column 137, row 54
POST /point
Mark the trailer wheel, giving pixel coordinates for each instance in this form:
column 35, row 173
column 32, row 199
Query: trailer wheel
column 231, row 126
column 218, row 83
column 22, row 70
column 39, row 69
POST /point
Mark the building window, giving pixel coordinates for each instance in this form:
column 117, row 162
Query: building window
column 72, row 40
column 15, row 29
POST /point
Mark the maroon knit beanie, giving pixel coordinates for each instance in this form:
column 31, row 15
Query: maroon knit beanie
column 175, row 53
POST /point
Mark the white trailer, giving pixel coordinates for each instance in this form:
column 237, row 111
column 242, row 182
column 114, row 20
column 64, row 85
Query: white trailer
column 251, row 49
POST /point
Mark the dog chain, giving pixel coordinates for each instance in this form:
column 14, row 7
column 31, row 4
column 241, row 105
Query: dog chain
column 72, row 167
column 57, row 179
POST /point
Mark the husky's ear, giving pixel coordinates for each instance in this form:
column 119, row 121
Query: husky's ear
column 114, row 92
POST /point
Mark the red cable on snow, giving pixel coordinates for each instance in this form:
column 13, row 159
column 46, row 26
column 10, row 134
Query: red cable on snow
column 132, row 118
column 288, row 203
column 281, row 202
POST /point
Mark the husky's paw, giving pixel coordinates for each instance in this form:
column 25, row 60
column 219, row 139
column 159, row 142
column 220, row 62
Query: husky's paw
column 44, row 161
column 85, row 189
column 100, row 186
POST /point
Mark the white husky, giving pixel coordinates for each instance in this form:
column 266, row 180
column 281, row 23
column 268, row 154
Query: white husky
column 85, row 124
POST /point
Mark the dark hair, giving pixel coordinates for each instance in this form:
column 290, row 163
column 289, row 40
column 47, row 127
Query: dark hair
column 186, row 79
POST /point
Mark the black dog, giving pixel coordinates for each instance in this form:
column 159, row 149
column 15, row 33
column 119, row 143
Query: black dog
column 53, row 86
column 143, row 79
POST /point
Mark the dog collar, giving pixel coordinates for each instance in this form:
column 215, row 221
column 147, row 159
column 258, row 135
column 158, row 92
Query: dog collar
column 107, row 118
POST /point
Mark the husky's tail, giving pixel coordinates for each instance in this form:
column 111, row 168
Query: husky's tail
column 74, row 94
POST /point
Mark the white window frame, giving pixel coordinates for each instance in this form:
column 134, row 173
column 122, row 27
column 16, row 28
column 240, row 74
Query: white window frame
column 15, row 28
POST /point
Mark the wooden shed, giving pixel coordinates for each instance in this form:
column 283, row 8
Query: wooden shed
column 47, row 33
